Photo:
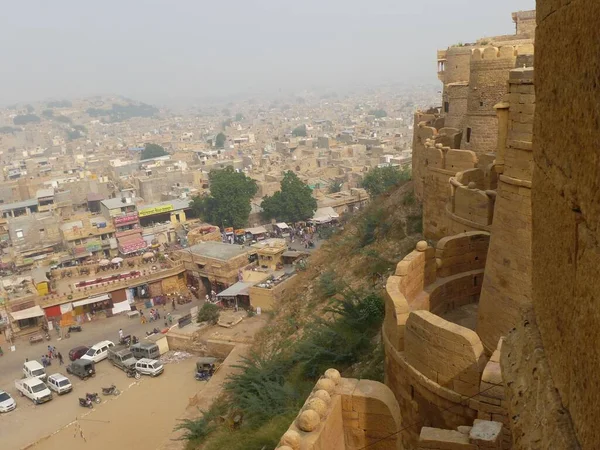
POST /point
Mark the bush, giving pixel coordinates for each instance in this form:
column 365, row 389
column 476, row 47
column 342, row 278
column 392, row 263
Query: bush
column 209, row 313
column 328, row 284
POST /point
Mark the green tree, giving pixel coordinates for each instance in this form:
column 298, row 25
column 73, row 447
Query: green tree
column 293, row 203
column 239, row 117
column 48, row 113
column 334, row 187
column 63, row 119
column 299, row 131
column 29, row 108
column 153, row 151
column 379, row 113
column 380, row 179
column 220, row 140
column 209, row 313
column 228, row 204
column 25, row 119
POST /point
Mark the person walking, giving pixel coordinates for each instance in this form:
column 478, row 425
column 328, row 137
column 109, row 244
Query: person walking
column 60, row 359
column 120, row 334
column 142, row 317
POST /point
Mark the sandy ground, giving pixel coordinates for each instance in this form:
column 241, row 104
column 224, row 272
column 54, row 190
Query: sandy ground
column 140, row 417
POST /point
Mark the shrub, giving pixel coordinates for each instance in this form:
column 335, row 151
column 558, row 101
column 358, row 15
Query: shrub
column 328, row 284
column 209, row 313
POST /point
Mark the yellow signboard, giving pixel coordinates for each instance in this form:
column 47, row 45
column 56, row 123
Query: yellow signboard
column 155, row 210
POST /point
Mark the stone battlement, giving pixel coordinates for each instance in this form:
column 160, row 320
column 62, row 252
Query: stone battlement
column 437, row 368
column 345, row 414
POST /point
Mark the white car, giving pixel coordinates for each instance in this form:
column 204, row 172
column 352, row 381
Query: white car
column 58, row 383
column 98, row 352
column 150, row 367
column 33, row 369
column 7, row 403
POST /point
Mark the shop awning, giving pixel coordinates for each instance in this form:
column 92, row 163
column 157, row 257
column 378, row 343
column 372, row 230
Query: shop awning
column 28, row 313
column 256, row 230
column 131, row 244
column 324, row 215
column 282, row 226
column 239, row 288
column 90, row 300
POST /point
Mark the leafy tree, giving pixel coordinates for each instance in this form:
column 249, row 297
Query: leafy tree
column 299, row 131
column 334, row 187
column 29, row 108
column 63, row 119
column 209, row 313
column 228, row 204
column 239, row 117
column 220, row 140
column 152, row 151
column 8, row 130
column 24, row 119
column 226, row 123
column 74, row 134
column 293, row 203
column 380, row 179
column 378, row 113
column 48, row 113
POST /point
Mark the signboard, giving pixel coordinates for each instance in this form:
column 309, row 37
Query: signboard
column 155, row 210
column 184, row 320
column 125, row 219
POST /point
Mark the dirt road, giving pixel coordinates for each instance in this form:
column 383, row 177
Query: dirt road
column 140, row 417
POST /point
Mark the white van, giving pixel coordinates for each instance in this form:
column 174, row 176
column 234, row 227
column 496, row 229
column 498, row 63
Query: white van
column 33, row 369
column 98, row 352
column 59, row 383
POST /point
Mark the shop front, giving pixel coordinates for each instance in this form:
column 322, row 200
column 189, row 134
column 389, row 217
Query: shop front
column 91, row 306
column 28, row 318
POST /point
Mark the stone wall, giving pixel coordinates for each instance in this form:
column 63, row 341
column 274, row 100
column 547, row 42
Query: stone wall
column 345, row 414
column 507, row 282
column 456, row 96
column 565, row 242
column 446, row 353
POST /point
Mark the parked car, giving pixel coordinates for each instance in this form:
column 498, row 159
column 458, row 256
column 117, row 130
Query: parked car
column 34, row 369
column 7, row 403
column 34, row 389
column 78, row 352
column 98, row 352
column 82, row 368
column 122, row 358
column 58, row 383
column 148, row 350
column 150, row 367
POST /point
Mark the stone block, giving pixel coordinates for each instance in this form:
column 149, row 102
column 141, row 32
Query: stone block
column 354, row 437
column 486, row 434
column 436, row 438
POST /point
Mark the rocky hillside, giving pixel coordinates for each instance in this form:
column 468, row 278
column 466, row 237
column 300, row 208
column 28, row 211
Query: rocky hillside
column 330, row 317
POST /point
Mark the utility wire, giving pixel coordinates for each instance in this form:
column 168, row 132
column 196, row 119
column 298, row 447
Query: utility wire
column 421, row 421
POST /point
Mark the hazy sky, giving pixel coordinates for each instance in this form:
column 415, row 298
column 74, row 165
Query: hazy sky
column 156, row 50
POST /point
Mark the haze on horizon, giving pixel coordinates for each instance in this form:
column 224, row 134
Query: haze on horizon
column 161, row 51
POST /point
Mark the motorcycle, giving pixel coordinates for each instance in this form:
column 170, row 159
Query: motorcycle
column 93, row 397
column 203, row 375
column 73, row 328
column 125, row 340
column 150, row 333
column 134, row 340
column 111, row 390
column 47, row 336
column 132, row 373
column 86, row 403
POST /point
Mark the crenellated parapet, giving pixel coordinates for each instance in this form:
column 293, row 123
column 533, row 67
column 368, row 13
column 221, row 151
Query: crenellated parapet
column 345, row 414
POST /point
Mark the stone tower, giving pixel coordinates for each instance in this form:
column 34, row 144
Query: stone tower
column 506, row 289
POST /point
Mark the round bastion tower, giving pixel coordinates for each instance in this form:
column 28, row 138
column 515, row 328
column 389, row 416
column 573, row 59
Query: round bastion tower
column 454, row 64
column 489, row 69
